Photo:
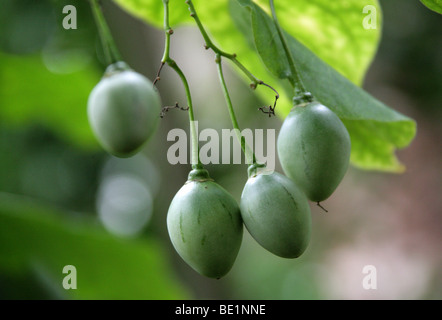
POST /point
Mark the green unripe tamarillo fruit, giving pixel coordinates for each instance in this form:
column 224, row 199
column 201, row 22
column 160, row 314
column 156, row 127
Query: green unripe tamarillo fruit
column 205, row 226
column 123, row 110
column 276, row 213
column 314, row 149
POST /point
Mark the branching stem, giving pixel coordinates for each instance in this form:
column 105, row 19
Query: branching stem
column 196, row 163
column 232, row 57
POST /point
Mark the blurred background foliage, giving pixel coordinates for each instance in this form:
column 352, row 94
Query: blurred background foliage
column 63, row 201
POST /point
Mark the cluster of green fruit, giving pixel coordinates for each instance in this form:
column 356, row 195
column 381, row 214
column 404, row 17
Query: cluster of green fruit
column 204, row 221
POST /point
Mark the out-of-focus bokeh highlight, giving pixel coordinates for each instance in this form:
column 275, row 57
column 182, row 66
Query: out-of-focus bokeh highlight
column 64, row 201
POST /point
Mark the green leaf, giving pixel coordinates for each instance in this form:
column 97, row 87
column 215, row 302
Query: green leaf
column 33, row 94
column 38, row 241
column 435, row 5
column 151, row 11
column 269, row 47
column 375, row 129
column 345, row 34
column 331, row 29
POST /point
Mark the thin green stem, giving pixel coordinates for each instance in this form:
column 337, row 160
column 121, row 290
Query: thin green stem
column 168, row 30
column 295, row 80
column 250, row 156
column 110, row 49
column 196, row 163
column 211, row 45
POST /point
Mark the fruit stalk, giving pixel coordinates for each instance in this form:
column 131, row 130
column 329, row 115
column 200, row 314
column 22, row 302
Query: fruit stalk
column 110, row 49
column 301, row 95
column 196, row 163
column 250, row 156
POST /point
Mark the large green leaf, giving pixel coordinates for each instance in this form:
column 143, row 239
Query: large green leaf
column 435, row 5
column 30, row 93
column 375, row 129
column 332, row 29
column 37, row 241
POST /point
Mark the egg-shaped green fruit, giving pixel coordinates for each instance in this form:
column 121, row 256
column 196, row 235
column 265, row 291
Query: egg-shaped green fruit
column 314, row 149
column 123, row 110
column 276, row 213
column 205, row 226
